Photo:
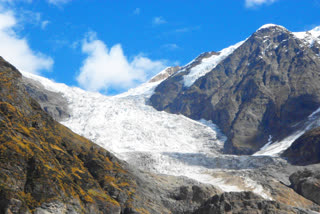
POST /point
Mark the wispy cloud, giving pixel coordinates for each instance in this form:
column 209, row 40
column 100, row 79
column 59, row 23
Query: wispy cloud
column 137, row 11
column 23, row 16
column 171, row 46
column 255, row 3
column 14, row 1
column 109, row 69
column 44, row 24
column 16, row 50
column 158, row 20
column 58, row 2
column 54, row 2
column 184, row 30
column 179, row 31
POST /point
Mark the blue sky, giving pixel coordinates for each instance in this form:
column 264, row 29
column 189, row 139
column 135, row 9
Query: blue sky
column 111, row 46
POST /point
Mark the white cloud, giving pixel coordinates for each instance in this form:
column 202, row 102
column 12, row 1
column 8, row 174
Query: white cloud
column 24, row 17
column 106, row 69
column 137, row 11
column 16, row 50
column 254, row 3
column 158, row 20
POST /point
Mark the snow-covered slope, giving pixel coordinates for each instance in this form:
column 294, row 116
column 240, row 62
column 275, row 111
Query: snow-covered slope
column 277, row 148
column 207, row 64
column 309, row 37
column 153, row 140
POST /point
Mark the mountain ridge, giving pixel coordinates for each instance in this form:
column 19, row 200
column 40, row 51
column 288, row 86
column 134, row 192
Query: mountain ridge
column 224, row 99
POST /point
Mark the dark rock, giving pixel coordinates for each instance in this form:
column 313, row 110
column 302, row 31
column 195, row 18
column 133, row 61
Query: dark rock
column 52, row 103
column 307, row 184
column 243, row 202
column 305, row 150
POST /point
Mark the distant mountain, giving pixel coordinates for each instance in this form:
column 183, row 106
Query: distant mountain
column 255, row 92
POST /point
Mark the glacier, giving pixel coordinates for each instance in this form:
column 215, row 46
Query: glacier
column 168, row 143
column 153, row 140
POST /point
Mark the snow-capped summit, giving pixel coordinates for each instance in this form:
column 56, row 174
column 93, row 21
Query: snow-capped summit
column 271, row 26
column 316, row 29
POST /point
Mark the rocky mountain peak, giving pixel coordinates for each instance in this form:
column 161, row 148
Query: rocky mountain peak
column 261, row 89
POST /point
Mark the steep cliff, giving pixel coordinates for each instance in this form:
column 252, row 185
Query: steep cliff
column 45, row 166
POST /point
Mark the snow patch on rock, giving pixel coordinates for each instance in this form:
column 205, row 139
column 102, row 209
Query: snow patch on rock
column 207, row 64
column 309, row 37
column 275, row 149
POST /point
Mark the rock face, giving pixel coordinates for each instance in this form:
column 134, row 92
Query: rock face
column 307, row 184
column 52, row 103
column 305, row 150
column 165, row 74
column 45, row 166
column 262, row 89
column 243, row 202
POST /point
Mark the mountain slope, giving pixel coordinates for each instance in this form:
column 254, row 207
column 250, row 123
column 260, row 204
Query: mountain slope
column 168, row 144
column 44, row 167
column 135, row 132
column 259, row 91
